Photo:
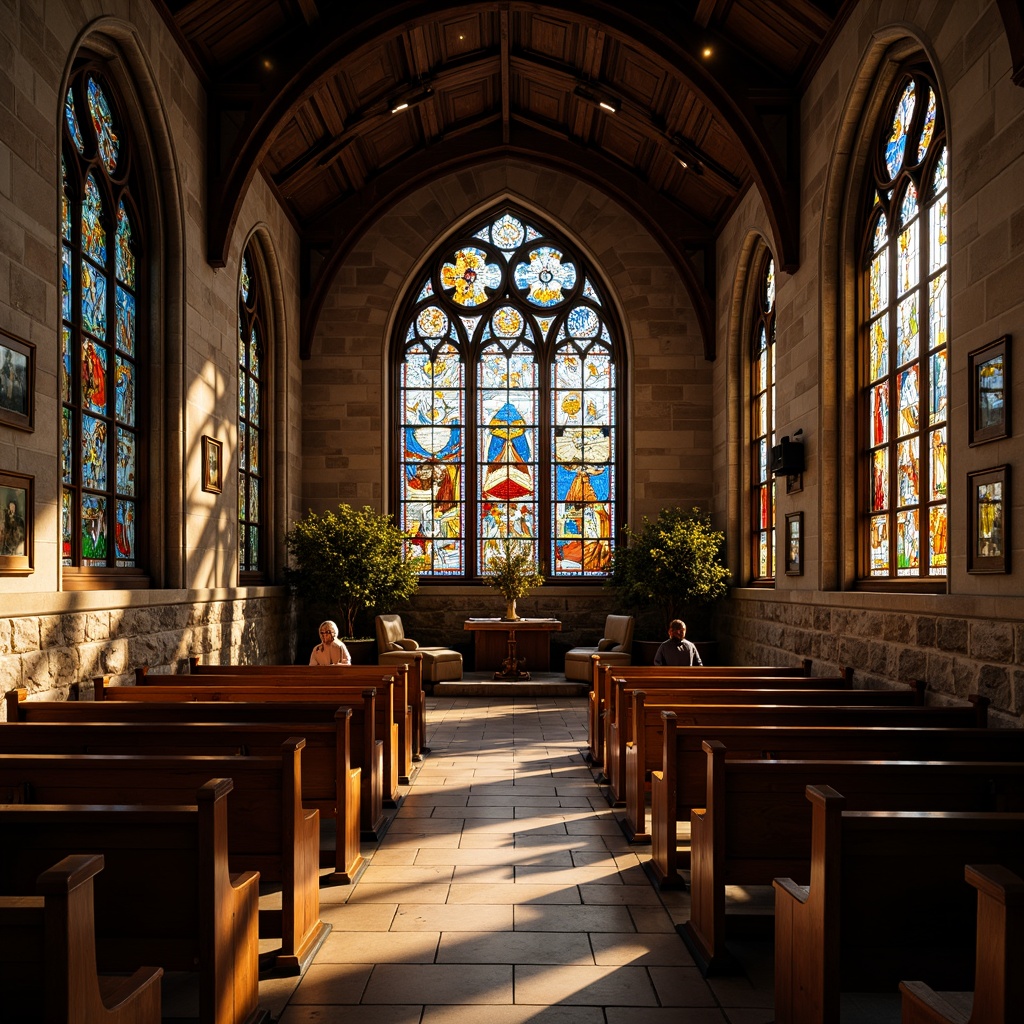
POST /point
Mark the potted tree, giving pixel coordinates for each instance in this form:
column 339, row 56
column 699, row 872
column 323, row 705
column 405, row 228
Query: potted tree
column 513, row 571
column 347, row 561
column 674, row 565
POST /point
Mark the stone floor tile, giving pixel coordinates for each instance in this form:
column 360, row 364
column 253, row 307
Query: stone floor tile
column 548, row 875
column 518, row 893
column 404, row 873
column 476, row 811
column 453, row 917
column 402, row 826
column 681, row 986
column 627, row 895
column 397, row 892
column 493, row 1014
column 478, row 873
column 440, row 983
column 351, row 1015
column 668, row 1015
column 586, row 986
column 325, row 983
column 360, row 917
column 540, row 918
column 514, row 948
column 640, row 949
column 378, row 948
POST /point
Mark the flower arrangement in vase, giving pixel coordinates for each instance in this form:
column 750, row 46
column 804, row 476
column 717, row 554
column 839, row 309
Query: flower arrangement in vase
column 513, row 571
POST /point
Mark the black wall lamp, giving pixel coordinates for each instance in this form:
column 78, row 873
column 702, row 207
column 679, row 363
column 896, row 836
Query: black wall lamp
column 788, row 456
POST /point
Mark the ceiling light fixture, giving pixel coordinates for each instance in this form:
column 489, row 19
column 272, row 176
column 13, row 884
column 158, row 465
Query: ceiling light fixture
column 407, row 100
column 598, row 98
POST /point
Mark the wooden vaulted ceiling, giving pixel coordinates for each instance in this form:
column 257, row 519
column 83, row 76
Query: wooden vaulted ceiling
column 704, row 96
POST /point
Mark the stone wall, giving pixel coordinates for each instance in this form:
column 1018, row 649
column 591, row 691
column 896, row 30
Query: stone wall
column 958, row 648
column 47, row 653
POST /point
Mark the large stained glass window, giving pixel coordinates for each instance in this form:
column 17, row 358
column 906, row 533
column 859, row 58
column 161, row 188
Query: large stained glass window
column 507, row 406
column 251, row 477
column 762, row 424
column 102, row 433
column 904, row 340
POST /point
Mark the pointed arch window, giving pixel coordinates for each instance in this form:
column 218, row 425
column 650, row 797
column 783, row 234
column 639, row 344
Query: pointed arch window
column 762, row 424
column 251, row 419
column 103, row 340
column 904, row 327
column 507, row 414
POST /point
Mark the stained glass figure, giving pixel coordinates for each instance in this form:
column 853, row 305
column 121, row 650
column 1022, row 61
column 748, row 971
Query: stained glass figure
column 905, row 386
column 124, row 303
column 762, row 411
column 94, row 530
column 103, row 124
column 124, row 533
column 125, row 266
column 94, row 235
column 94, row 301
column 72, row 122
column 251, row 318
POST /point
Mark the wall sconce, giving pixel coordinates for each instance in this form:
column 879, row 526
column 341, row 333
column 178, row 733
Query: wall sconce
column 788, row 456
column 597, row 98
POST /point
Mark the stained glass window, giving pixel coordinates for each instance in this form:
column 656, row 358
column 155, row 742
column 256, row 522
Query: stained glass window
column 904, row 333
column 507, row 414
column 251, row 425
column 762, row 426
column 102, row 436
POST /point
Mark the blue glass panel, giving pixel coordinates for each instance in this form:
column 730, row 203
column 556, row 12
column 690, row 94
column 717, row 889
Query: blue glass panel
column 124, row 391
column 426, row 291
column 125, row 267
column 928, row 129
column 244, row 280
column 543, row 277
column 94, row 234
column 94, row 453
column 938, row 390
column 126, row 461
column 103, row 123
column 125, row 304
column 124, row 533
column 72, row 121
column 910, row 393
column 507, row 232
column 897, row 143
column 94, row 301
column 94, row 530
column 94, row 376
column 65, row 203
column 583, row 322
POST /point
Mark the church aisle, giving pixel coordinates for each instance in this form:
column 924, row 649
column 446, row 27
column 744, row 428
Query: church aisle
column 505, row 892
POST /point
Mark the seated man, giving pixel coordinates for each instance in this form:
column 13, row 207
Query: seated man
column 677, row 650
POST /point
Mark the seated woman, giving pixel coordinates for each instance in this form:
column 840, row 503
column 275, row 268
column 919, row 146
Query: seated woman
column 330, row 650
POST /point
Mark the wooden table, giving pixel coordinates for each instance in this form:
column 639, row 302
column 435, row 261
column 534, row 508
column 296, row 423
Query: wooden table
column 506, row 644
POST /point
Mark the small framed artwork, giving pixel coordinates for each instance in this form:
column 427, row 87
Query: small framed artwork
column 17, row 381
column 795, row 544
column 16, row 514
column 794, row 483
column 989, row 396
column 213, row 466
column 988, row 513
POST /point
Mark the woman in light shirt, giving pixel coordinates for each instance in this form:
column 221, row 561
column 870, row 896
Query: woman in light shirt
column 330, row 650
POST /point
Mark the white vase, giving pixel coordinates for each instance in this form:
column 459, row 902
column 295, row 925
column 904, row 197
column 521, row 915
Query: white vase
column 510, row 610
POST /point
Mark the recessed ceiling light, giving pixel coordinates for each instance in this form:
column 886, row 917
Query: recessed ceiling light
column 706, row 52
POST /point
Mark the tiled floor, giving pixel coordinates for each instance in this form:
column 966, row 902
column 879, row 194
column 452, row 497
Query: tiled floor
column 504, row 892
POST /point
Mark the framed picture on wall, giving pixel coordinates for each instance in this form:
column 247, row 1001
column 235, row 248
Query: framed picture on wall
column 213, row 469
column 990, row 392
column 16, row 523
column 17, row 381
column 795, row 544
column 988, row 516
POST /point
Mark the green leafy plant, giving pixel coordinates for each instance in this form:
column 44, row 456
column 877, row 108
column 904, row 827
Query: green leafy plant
column 674, row 562
column 350, row 559
column 513, row 572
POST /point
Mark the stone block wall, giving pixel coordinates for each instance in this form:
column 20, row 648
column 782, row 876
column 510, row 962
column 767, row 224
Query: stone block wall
column 47, row 652
column 958, row 648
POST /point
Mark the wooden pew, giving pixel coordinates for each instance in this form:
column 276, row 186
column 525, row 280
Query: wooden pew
column 409, row 699
column 268, row 829
column 412, row 672
column 833, row 691
column 756, row 821
column 165, row 895
column 643, row 754
column 239, row 690
column 885, row 901
column 349, row 794
column 48, row 967
column 602, row 673
column 999, row 953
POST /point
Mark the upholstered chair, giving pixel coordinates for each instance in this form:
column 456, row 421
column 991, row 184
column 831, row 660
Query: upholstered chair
column 439, row 663
column 614, row 647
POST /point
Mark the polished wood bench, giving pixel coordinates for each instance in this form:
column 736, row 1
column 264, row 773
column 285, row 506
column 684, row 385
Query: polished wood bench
column 602, row 674
column 340, row 790
column 756, row 821
column 239, row 690
column 411, row 672
column 999, row 952
column 619, row 727
column 48, row 967
column 886, row 901
column 408, row 700
column 643, row 753
column 269, row 831
column 166, row 895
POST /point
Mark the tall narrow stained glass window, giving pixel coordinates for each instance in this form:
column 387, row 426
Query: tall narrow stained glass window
column 251, row 476
column 507, row 422
column 904, row 340
column 762, row 424
column 102, row 430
